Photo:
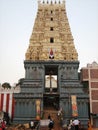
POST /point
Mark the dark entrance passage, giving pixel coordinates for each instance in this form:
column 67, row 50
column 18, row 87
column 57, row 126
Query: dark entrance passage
column 51, row 101
column 51, row 106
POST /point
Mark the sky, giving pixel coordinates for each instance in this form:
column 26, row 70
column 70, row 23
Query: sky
column 16, row 23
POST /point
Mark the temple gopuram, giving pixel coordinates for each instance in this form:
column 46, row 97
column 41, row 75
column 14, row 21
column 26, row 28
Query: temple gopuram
column 51, row 69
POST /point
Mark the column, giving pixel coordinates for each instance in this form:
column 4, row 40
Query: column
column 10, row 104
column 4, row 103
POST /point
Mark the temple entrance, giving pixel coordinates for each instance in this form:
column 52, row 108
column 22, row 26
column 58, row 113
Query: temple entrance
column 51, row 96
column 51, row 102
column 51, row 106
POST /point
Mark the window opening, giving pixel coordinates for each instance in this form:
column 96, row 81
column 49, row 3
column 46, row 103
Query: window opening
column 51, row 11
column 51, row 81
column 51, row 19
column 51, row 40
column 51, row 28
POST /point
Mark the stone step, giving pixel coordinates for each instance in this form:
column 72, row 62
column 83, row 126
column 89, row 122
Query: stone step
column 53, row 114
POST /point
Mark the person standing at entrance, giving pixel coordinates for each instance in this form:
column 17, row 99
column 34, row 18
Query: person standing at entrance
column 51, row 124
column 76, row 123
column 49, row 117
column 32, row 125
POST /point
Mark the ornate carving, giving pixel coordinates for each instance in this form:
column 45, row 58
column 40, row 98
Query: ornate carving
column 51, row 15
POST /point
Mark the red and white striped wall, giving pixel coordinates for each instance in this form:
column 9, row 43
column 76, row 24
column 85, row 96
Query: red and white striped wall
column 7, row 103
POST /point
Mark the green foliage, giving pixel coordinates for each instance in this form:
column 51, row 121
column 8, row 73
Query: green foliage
column 6, row 85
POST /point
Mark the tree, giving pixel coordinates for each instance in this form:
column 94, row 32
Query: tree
column 6, row 85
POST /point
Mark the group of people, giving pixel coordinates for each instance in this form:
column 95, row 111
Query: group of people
column 74, row 124
column 3, row 125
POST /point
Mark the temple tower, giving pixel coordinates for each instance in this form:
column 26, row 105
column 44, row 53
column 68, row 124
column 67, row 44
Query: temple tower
column 51, row 32
column 51, row 54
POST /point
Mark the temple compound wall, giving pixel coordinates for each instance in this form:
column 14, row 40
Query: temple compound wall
column 7, row 102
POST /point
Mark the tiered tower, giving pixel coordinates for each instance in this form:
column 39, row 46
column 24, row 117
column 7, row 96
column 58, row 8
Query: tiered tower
column 51, row 52
column 51, row 32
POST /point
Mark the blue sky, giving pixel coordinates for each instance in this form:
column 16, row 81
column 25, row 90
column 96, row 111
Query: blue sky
column 16, row 24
